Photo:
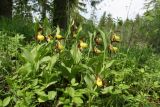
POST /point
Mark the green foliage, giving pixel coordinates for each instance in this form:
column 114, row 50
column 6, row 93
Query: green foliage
column 40, row 73
column 17, row 25
column 45, row 77
column 5, row 102
column 62, row 72
column 151, row 25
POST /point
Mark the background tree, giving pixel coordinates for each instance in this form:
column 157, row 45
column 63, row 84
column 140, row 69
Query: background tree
column 6, row 8
column 44, row 6
column 106, row 22
column 150, row 24
column 60, row 13
column 65, row 9
column 22, row 9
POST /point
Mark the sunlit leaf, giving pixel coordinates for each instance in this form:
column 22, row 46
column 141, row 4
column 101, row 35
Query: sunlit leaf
column 89, row 81
column 69, row 69
column 41, row 93
column 45, row 59
column 107, row 90
column 1, row 103
column 27, row 56
column 70, row 91
column 109, row 64
column 117, row 91
column 73, row 82
column 77, row 100
column 58, row 30
column 52, row 61
column 76, row 54
column 51, row 95
column 6, row 101
column 123, row 86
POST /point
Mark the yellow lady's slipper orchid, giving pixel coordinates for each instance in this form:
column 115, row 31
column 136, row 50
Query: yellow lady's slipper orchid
column 115, row 49
column 98, row 41
column 83, row 44
column 59, row 37
column 112, row 49
column 115, row 38
column 48, row 38
column 74, row 34
column 96, row 50
column 40, row 37
column 60, row 46
column 99, row 82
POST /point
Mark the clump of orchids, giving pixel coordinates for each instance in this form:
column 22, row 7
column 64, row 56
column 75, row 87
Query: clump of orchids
column 41, row 37
column 113, row 39
column 57, row 37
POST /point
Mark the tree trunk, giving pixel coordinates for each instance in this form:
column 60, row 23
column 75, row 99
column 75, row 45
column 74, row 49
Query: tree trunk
column 6, row 8
column 44, row 9
column 60, row 14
